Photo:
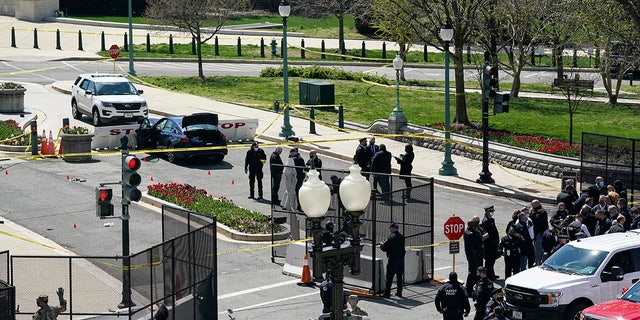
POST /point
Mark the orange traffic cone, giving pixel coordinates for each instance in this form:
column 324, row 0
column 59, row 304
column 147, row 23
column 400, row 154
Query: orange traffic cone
column 51, row 148
column 305, row 280
column 44, row 148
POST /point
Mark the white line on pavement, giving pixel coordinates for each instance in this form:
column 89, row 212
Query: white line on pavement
column 273, row 301
column 271, row 286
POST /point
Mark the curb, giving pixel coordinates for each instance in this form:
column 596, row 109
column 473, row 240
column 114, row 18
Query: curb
column 221, row 228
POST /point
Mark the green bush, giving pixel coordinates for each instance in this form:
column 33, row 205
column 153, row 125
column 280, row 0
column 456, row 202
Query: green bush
column 12, row 134
column 223, row 209
column 318, row 72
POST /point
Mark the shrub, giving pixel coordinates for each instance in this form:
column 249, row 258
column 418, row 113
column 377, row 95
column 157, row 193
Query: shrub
column 226, row 212
column 317, row 72
column 12, row 134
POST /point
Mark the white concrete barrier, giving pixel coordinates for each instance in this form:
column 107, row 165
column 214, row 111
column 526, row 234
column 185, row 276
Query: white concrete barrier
column 239, row 130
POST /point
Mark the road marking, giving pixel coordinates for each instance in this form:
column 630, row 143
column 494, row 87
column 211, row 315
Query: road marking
column 271, row 286
column 270, row 302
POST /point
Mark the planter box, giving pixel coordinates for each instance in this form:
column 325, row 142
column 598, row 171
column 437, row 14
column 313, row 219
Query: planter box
column 12, row 100
column 75, row 144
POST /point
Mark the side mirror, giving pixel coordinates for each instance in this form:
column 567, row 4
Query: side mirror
column 617, row 274
column 140, row 92
column 89, row 92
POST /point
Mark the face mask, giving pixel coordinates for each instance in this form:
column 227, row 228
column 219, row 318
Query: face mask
column 255, row 148
column 601, row 183
column 491, row 214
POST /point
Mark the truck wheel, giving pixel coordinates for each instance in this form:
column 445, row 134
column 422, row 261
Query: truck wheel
column 573, row 311
column 96, row 118
column 74, row 110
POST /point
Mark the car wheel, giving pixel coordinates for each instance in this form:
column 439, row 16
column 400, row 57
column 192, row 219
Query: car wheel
column 574, row 310
column 96, row 118
column 74, row 110
column 171, row 157
column 218, row 157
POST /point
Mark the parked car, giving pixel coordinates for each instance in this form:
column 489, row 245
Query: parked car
column 582, row 273
column 107, row 98
column 199, row 130
column 626, row 307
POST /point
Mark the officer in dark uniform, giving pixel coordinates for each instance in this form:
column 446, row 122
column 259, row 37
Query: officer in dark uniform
column 394, row 247
column 490, row 242
column 473, row 252
column 511, row 247
column 326, row 290
column 451, row 299
column 327, row 234
column 482, row 293
column 496, row 301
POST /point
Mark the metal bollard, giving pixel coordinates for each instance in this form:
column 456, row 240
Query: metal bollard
column 364, row 50
column 13, row 37
column 80, row 41
column 35, row 38
column 126, row 43
column 34, row 138
column 239, row 47
column 103, row 46
column 261, row 47
column 425, row 54
column 312, row 122
column 193, row 45
column 170, row 44
column 322, row 56
column 384, row 50
column 302, row 51
column 281, row 48
column 216, row 47
column 468, row 54
column 58, row 47
column 148, row 43
column 341, row 116
column 274, row 49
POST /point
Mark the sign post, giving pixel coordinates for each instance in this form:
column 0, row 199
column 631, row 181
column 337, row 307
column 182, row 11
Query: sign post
column 114, row 52
column 453, row 230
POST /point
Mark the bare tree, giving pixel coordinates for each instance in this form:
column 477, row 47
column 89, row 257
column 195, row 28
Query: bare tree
column 574, row 90
column 193, row 16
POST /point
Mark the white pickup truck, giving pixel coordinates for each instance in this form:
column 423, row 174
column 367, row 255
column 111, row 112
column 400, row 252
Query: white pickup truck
column 582, row 273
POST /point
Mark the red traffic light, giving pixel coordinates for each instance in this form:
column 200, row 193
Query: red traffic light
column 132, row 163
column 104, row 194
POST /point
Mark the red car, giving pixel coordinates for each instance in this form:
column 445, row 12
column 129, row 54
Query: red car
column 627, row 307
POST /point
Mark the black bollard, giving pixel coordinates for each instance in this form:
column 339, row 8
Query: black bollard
column 103, row 46
column 216, row 47
column 575, row 58
column 80, row 41
column 148, row 43
column 261, row 47
column 364, row 50
column 58, row 47
column 468, row 54
column 341, row 116
column 312, row 122
column 239, row 47
column 170, row 44
column 302, row 51
column 384, row 50
column 343, row 51
column 126, row 43
column 34, row 138
column 193, row 45
column 281, row 49
column 322, row 56
column 13, row 37
column 35, row 38
column 425, row 54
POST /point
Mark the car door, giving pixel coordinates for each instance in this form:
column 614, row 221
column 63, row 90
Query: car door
column 85, row 96
column 144, row 137
column 624, row 259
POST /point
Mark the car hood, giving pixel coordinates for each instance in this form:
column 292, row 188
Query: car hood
column 545, row 280
column 198, row 118
column 615, row 309
column 131, row 98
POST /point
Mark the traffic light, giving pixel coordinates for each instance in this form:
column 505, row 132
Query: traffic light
column 130, row 179
column 488, row 82
column 276, row 105
column 501, row 102
column 104, row 208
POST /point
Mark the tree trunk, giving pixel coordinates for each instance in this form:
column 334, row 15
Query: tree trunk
column 558, row 50
column 460, row 98
column 199, row 53
column 341, row 33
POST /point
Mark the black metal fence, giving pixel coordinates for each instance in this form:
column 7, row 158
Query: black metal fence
column 181, row 267
column 414, row 215
column 611, row 157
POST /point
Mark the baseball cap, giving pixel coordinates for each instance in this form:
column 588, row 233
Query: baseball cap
column 393, row 225
column 489, row 207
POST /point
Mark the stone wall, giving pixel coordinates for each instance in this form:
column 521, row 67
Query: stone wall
column 33, row 10
column 7, row 8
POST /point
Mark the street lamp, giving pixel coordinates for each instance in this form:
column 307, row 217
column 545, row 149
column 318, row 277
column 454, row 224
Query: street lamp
column 397, row 119
column 285, row 10
column 446, row 33
column 131, row 70
column 315, row 198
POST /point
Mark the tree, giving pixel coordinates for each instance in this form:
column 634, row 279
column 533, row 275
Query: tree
column 194, row 15
column 633, row 10
column 574, row 90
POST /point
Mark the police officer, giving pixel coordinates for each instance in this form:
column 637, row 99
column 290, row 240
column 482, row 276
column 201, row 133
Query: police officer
column 253, row 163
column 326, row 290
column 451, row 299
column 482, row 293
column 327, row 234
column 496, row 301
column 473, row 252
column 394, row 247
column 511, row 247
column 46, row 312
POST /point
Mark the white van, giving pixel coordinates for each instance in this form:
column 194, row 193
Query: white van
column 582, row 273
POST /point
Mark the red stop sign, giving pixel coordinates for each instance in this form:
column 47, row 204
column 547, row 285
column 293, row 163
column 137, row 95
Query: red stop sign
column 454, row 228
column 114, row 51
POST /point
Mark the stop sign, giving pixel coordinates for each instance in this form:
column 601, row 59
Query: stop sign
column 454, row 228
column 114, row 51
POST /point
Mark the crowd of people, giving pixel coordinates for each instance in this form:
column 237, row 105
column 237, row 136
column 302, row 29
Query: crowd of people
column 530, row 237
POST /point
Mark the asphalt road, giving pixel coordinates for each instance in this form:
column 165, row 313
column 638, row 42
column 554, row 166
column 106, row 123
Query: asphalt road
column 39, row 197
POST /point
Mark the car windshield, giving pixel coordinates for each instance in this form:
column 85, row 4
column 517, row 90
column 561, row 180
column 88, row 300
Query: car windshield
column 633, row 294
column 200, row 126
column 572, row 260
column 115, row 88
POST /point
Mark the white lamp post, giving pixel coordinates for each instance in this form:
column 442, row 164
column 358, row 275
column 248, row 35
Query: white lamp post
column 315, row 198
column 446, row 33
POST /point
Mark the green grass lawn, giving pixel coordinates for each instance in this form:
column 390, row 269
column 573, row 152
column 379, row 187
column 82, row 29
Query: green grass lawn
column 364, row 103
